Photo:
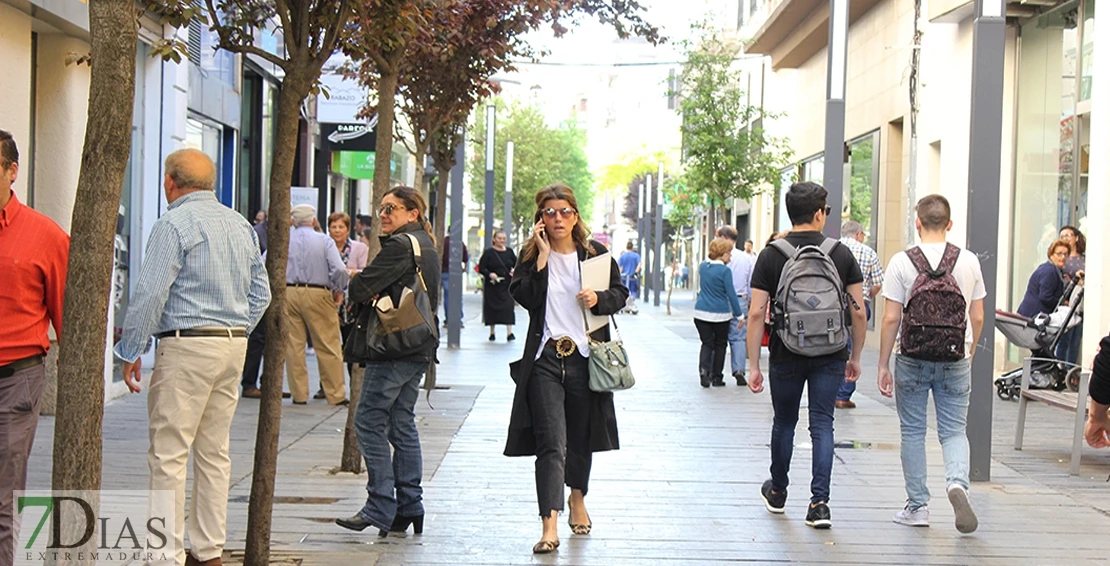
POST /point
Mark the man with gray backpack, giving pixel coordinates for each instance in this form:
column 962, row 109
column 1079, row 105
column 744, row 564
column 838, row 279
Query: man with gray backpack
column 814, row 289
column 934, row 305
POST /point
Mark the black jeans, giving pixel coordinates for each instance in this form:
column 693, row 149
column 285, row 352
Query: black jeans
column 559, row 399
column 714, row 338
column 256, row 343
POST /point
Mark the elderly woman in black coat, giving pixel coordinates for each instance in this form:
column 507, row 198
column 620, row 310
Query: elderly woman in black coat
column 555, row 415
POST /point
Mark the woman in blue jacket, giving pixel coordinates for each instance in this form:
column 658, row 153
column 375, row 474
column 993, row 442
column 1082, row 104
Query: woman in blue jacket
column 1046, row 284
column 716, row 306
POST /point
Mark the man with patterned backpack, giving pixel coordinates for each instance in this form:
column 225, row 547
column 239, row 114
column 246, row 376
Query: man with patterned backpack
column 934, row 301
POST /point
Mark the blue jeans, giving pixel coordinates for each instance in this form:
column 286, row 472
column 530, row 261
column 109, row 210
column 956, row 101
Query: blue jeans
column 950, row 383
column 847, row 388
column 787, row 379
column 1067, row 349
column 385, row 417
column 632, row 282
column 737, row 340
column 446, row 277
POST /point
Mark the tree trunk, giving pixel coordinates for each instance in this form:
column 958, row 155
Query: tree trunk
column 295, row 88
column 441, row 204
column 387, row 95
column 420, row 156
column 351, row 460
column 80, row 410
column 712, row 224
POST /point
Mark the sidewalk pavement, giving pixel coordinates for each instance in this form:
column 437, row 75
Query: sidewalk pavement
column 683, row 489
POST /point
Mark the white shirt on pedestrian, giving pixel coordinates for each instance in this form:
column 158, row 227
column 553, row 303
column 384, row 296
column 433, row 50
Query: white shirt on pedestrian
column 564, row 311
column 901, row 274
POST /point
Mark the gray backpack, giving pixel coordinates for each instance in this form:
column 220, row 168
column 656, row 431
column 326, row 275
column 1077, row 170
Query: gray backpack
column 810, row 304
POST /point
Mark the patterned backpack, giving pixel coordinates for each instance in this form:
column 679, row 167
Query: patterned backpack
column 934, row 318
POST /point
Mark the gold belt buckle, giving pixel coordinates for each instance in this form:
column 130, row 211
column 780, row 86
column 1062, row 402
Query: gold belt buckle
column 564, row 346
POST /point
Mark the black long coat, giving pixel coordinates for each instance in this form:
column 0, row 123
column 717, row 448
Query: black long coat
column 529, row 288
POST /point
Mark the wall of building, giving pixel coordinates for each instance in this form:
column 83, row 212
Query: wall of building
column 15, row 67
column 61, row 109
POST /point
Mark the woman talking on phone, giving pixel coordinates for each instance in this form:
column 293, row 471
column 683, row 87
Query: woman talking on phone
column 555, row 416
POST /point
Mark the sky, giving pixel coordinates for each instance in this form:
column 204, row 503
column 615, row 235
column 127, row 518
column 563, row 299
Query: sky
column 616, row 90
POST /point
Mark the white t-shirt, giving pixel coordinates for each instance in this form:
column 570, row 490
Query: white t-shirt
column 901, row 274
column 564, row 311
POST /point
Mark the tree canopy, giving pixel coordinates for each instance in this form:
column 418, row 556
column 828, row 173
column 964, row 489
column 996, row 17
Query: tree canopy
column 727, row 153
column 542, row 155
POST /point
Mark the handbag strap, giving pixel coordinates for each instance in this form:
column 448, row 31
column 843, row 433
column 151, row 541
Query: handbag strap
column 416, row 259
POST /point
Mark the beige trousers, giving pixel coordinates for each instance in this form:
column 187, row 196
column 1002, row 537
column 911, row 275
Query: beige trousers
column 314, row 308
column 193, row 395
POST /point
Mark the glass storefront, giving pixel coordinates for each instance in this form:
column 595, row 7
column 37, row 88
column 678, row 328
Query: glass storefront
column 1053, row 134
column 207, row 137
column 863, row 167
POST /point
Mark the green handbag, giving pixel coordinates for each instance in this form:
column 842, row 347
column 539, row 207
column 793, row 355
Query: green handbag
column 609, row 369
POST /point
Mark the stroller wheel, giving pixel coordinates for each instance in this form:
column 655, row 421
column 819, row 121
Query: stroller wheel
column 1003, row 392
column 1072, row 379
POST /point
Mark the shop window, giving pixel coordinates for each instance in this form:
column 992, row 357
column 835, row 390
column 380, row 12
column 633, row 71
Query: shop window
column 207, row 137
column 864, row 187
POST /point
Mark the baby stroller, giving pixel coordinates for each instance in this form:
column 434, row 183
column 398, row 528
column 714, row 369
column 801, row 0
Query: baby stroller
column 1040, row 334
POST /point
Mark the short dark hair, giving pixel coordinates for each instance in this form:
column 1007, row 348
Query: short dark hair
column 628, row 246
column 728, row 233
column 934, row 212
column 9, row 152
column 803, row 200
column 365, row 219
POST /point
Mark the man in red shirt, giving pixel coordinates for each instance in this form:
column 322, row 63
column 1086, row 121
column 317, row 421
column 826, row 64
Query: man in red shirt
column 34, row 253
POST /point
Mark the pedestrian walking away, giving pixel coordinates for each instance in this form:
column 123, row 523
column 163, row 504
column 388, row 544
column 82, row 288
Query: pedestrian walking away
column 934, row 307
column 630, row 265
column 812, row 279
column 741, row 266
column 445, row 277
column 852, row 236
column 496, row 266
column 716, row 311
column 315, row 275
column 385, row 418
column 555, row 415
column 202, row 288
column 34, row 257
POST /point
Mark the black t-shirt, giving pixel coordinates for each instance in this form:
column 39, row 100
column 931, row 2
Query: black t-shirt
column 768, row 271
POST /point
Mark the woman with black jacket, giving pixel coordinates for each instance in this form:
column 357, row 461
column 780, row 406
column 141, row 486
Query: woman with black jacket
column 385, row 415
column 555, row 416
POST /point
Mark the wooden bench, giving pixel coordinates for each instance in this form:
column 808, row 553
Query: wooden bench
column 1067, row 400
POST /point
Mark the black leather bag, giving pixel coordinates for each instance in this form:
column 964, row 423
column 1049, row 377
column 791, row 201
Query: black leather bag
column 399, row 330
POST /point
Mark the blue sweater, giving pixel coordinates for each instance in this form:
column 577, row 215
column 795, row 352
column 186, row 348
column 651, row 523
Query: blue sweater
column 1044, row 291
column 717, row 294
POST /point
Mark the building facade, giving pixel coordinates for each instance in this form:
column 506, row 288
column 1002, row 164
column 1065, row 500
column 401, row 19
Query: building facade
column 1050, row 97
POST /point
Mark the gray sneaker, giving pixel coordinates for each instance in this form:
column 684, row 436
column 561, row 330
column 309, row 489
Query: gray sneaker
column 966, row 521
column 913, row 517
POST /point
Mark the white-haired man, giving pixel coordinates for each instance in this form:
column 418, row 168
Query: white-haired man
column 314, row 273
column 201, row 289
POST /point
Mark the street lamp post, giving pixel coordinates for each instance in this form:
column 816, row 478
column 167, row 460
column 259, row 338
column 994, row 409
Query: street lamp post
column 834, row 113
column 657, row 201
column 508, row 222
column 988, row 58
column 491, row 124
column 648, row 257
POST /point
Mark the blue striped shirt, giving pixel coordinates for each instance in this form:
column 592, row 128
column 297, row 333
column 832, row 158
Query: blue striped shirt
column 202, row 269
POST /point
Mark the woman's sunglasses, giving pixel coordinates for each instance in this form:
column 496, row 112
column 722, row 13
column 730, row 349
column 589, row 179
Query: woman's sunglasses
column 565, row 212
column 388, row 209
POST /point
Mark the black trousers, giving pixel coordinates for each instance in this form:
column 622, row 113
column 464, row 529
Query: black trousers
column 256, row 343
column 714, row 338
column 559, row 399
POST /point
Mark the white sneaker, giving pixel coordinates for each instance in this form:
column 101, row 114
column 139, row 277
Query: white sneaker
column 966, row 521
column 913, row 517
